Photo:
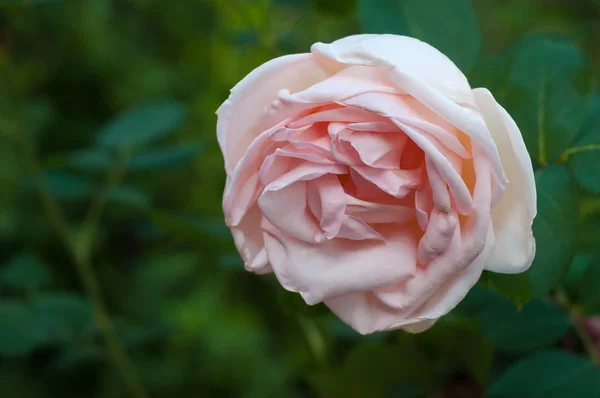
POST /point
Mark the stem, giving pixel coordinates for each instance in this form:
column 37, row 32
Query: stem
column 577, row 318
column 81, row 258
column 314, row 339
column 92, row 219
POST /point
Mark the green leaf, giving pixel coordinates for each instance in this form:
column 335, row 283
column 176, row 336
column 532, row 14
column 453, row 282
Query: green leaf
column 73, row 356
column 19, row 331
column 23, row 3
column 587, row 292
column 25, row 271
column 451, row 26
column 99, row 160
column 456, row 344
column 548, row 374
column 61, row 316
column 542, row 96
column 91, row 160
column 577, row 270
column 382, row 16
column 555, row 231
column 164, row 158
column 584, row 154
column 129, row 196
column 142, row 125
column 372, row 369
column 191, row 227
column 68, row 186
column 537, row 324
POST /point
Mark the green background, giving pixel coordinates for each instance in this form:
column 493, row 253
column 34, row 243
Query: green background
column 118, row 277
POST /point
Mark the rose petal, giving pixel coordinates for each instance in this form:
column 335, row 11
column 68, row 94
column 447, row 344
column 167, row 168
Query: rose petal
column 248, row 239
column 284, row 201
column 437, row 237
column 327, row 201
column 240, row 117
column 413, row 56
column 397, row 183
column 356, row 229
column 340, row 266
column 378, row 213
column 514, row 214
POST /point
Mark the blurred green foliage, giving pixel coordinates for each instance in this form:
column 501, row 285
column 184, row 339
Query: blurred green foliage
column 107, row 109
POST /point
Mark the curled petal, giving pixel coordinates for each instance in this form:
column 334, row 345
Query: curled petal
column 514, row 214
column 284, row 201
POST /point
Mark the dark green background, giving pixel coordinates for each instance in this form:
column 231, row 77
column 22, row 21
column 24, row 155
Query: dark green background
column 109, row 162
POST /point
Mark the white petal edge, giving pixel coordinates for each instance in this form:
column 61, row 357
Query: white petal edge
column 513, row 215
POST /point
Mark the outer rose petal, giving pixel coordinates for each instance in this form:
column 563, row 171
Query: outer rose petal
column 240, row 115
column 340, row 266
column 514, row 214
column 414, row 56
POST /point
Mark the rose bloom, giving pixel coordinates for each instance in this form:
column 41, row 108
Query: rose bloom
column 368, row 175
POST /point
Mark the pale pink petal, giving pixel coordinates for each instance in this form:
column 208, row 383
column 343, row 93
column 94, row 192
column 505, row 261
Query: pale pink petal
column 241, row 188
column 445, row 168
column 338, row 114
column 397, row 183
column 248, row 239
column 241, row 118
column 376, row 149
column 413, row 56
column 439, row 190
column 286, row 208
column 437, row 237
column 423, row 205
column 378, row 213
column 356, row 229
column 283, row 202
column 340, row 266
column 464, row 118
column 463, row 249
column 327, row 201
column 514, row 214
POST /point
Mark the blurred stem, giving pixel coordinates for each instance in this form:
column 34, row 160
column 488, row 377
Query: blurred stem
column 81, row 257
column 314, row 339
column 577, row 319
column 582, row 148
column 92, row 219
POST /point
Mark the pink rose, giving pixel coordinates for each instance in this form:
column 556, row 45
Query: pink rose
column 368, row 175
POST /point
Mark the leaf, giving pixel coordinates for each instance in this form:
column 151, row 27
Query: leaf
column 164, row 158
column 99, row 160
column 548, row 374
column 142, row 125
column 19, row 331
column 25, row 271
column 91, row 160
column 456, row 344
column 372, row 368
column 22, row 3
column 382, row 16
column 190, row 226
column 555, row 231
column 542, row 96
column 129, row 196
column 587, row 292
column 450, row 26
column 62, row 316
column 537, row 324
column 68, row 186
column 584, row 158
column 73, row 356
